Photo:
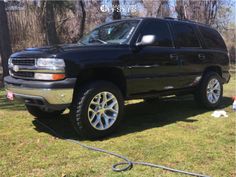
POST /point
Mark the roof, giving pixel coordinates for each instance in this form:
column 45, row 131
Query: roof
column 166, row 19
column 170, row 19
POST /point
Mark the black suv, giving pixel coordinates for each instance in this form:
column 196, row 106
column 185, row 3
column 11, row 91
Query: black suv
column 126, row 59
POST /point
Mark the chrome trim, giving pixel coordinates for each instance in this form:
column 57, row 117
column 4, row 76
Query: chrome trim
column 13, row 58
column 52, row 96
column 143, row 66
column 34, row 69
column 22, row 58
column 31, row 68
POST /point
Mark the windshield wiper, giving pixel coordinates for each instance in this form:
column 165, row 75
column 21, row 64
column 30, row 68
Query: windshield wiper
column 99, row 40
column 79, row 42
column 95, row 39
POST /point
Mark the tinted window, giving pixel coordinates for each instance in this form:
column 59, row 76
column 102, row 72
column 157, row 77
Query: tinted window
column 112, row 33
column 160, row 30
column 212, row 38
column 184, row 35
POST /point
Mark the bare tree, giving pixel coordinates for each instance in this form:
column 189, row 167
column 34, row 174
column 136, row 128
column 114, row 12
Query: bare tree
column 204, row 11
column 92, row 20
column 180, row 8
column 151, row 7
column 157, row 8
column 116, row 7
column 5, row 43
column 49, row 18
column 81, row 13
column 211, row 7
column 223, row 15
column 163, row 9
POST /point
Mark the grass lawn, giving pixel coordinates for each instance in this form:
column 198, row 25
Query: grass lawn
column 173, row 132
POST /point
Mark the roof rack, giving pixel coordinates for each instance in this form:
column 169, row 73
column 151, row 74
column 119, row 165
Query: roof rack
column 170, row 18
column 194, row 22
column 186, row 20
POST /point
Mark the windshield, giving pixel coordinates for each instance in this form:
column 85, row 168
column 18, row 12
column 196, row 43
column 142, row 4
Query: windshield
column 113, row 33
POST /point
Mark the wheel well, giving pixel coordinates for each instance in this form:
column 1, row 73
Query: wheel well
column 216, row 69
column 114, row 75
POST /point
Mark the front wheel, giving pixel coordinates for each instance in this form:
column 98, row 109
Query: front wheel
column 43, row 113
column 97, row 109
column 209, row 93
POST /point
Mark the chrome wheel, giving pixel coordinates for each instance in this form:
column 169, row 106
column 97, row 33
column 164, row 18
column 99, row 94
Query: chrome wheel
column 213, row 91
column 103, row 110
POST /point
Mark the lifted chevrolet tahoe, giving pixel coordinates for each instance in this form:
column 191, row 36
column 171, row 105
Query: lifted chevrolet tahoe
column 125, row 59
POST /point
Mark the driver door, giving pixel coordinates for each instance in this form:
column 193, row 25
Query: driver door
column 156, row 67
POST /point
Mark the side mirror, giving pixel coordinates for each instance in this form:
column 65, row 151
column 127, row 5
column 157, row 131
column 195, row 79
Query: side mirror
column 147, row 40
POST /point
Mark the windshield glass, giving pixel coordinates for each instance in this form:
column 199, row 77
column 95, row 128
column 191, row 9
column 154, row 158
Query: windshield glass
column 113, row 33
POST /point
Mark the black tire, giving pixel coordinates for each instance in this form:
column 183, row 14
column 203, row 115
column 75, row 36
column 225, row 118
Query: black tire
column 201, row 91
column 79, row 110
column 43, row 114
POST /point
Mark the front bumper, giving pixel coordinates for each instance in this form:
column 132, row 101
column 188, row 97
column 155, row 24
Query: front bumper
column 41, row 93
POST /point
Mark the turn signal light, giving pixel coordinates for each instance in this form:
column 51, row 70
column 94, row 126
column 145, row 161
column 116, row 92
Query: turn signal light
column 58, row 76
column 45, row 76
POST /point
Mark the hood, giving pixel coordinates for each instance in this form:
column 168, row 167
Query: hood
column 45, row 51
column 60, row 50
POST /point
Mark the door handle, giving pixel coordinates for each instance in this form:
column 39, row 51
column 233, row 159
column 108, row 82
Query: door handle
column 201, row 56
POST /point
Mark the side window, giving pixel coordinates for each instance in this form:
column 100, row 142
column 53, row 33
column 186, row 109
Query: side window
column 160, row 30
column 212, row 38
column 184, row 35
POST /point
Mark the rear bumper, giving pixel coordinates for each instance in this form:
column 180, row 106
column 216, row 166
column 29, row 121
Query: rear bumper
column 41, row 93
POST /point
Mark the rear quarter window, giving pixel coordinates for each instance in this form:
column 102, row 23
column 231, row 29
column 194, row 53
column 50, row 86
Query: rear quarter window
column 212, row 38
column 184, row 35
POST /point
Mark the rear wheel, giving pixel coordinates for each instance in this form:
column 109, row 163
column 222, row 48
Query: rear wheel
column 43, row 113
column 209, row 93
column 97, row 109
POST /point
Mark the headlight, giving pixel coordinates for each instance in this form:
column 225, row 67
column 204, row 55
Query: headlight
column 9, row 62
column 50, row 62
column 51, row 65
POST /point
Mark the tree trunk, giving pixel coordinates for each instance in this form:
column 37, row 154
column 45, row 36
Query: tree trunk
column 180, row 9
column 116, row 7
column 163, row 9
column 5, row 43
column 51, row 32
column 82, row 19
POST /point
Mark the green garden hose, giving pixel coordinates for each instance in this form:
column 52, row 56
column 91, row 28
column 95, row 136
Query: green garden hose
column 128, row 164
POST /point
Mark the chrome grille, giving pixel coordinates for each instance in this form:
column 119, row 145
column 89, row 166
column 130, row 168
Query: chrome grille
column 22, row 74
column 16, row 63
column 25, row 68
column 23, row 61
